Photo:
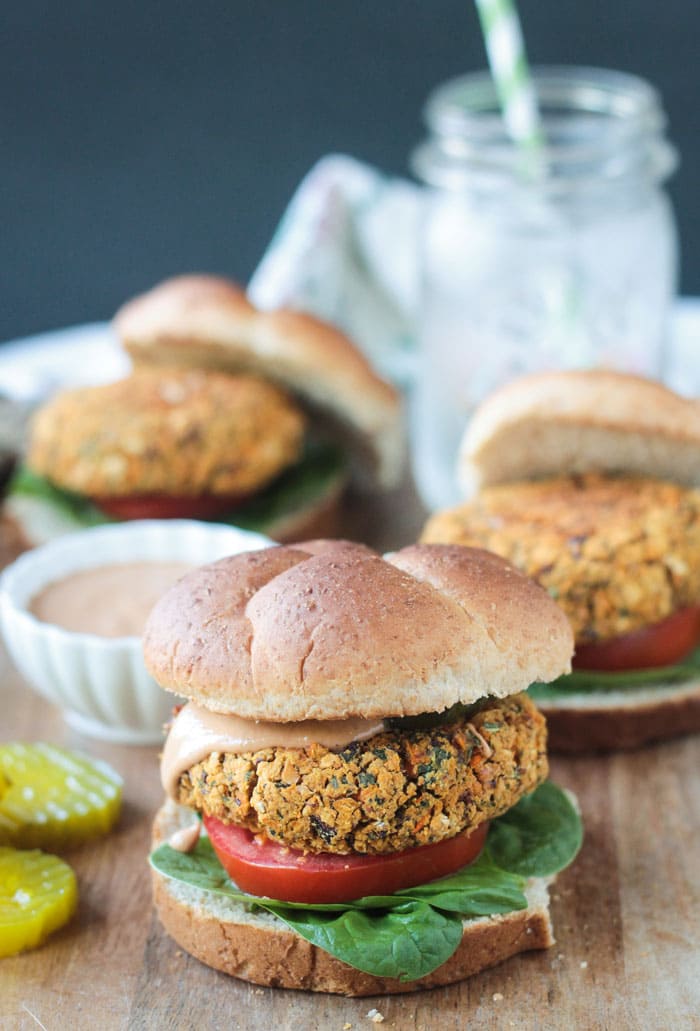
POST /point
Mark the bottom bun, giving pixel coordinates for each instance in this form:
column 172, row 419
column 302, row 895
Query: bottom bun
column 259, row 947
column 597, row 722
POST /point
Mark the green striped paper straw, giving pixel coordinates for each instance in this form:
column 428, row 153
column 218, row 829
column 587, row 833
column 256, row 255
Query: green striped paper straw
column 511, row 73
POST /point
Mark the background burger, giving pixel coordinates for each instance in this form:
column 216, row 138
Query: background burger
column 587, row 481
column 258, row 418
column 370, row 776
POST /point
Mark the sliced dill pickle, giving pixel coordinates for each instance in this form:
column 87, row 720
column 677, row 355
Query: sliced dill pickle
column 54, row 798
column 38, row 894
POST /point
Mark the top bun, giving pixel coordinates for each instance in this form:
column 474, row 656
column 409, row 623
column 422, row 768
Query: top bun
column 208, row 322
column 557, row 423
column 329, row 630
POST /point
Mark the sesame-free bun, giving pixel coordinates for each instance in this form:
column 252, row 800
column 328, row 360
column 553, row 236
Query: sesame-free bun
column 259, row 947
column 208, row 322
column 623, row 719
column 556, row 423
column 328, row 630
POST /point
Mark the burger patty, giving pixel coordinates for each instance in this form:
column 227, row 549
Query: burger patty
column 397, row 790
column 617, row 553
column 176, row 432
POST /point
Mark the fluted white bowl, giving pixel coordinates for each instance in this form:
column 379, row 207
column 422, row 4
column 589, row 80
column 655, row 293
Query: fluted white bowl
column 100, row 682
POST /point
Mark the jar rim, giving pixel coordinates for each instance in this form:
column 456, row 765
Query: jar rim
column 597, row 123
column 458, row 105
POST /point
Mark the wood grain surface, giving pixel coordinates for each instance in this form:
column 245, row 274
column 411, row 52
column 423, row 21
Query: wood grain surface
column 626, row 915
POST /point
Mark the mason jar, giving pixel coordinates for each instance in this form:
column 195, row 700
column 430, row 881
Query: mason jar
column 559, row 256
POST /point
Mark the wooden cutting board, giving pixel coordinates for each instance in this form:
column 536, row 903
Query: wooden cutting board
column 626, row 915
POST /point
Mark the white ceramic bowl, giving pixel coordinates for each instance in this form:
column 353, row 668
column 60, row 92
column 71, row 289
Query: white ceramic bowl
column 102, row 683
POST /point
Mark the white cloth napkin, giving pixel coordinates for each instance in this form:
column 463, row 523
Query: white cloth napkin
column 346, row 250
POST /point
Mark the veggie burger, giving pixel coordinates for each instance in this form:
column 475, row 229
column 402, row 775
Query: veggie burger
column 588, row 482
column 230, row 413
column 367, row 773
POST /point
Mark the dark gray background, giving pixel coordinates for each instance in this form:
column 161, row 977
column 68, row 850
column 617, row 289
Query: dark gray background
column 143, row 138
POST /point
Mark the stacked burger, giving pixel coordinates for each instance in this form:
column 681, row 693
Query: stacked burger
column 588, row 482
column 369, row 773
column 255, row 418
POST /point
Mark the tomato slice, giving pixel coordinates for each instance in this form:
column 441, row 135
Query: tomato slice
column 262, row 867
column 162, row 506
column 661, row 644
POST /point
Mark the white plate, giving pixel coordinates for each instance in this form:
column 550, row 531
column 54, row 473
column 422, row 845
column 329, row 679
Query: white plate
column 34, row 367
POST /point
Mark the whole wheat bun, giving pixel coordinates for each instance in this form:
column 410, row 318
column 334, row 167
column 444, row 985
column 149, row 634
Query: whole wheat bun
column 259, row 947
column 208, row 322
column 329, row 630
column 561, row 423
column 630, row 718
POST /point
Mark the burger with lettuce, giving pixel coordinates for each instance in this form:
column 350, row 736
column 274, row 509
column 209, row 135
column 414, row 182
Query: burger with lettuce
column 256, row 418
column 589, row 482
column 356, row 792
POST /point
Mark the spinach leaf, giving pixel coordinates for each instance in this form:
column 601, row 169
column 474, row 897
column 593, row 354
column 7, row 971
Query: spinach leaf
column 587, row 680
column 410, row 933
column 387, row 937
column 427, row 720
column 480, row 889
column 539, row 836
column 317, row 471
column 407, row 942
column 202, row 869
column 199, row 867
column 75, row 507
column 320, row 467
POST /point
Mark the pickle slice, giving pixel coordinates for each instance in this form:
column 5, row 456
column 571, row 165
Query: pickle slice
column 38, row 894
column 54, row 798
